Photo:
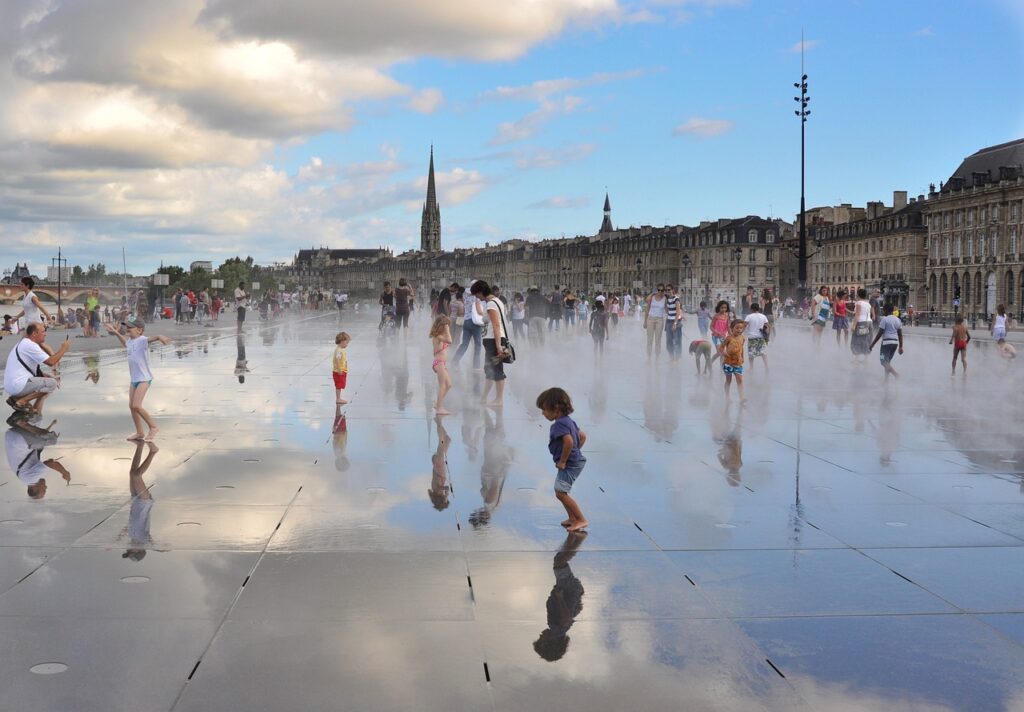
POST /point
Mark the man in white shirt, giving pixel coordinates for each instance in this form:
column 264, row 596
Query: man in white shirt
column 756, row 334
column 26, row 388
column 241, row 302
column 24, row 445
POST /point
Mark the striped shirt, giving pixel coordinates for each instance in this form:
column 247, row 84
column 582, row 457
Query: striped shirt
column 671, row 308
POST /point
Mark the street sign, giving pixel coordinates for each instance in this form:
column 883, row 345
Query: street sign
column 280, row 287
column 161, row 280
column 216, row 284
column 255, row 286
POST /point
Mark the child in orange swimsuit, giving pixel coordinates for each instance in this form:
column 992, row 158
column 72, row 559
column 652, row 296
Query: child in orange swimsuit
column 960, row 338
column 441, row 337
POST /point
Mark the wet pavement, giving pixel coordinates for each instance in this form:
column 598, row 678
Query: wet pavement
column 836, row 543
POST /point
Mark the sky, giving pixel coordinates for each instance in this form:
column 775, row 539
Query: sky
column 204, row 129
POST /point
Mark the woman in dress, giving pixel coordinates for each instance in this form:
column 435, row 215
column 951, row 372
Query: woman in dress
column 840, row 322
column 863, row 317
column 31, row 308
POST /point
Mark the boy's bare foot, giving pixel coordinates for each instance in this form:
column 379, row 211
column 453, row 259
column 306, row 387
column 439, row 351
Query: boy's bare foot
column 341, row 401
column 135, row 437
column 441, row 411
column 578, row 526
column 494, row 404
column 151, row 435
column 566, row 523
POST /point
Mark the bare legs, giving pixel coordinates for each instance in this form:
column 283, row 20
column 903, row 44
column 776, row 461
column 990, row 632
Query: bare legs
column 140, row 416
column 499, row 392
column 739, row 385
column 576, row 520
column 444, row 384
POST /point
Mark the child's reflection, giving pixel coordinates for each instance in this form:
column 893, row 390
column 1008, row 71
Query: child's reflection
column 439, row 490
column 340, row 440
column 142, row 503
column 565, row 602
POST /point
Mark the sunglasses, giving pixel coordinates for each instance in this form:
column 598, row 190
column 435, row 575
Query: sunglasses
column 660, row 289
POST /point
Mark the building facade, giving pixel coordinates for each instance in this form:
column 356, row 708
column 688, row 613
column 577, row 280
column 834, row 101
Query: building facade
column 975, row 228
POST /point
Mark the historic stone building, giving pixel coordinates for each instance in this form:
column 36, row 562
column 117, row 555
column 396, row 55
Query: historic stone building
column 728, row 255
column 975, row 228
column 877, row 247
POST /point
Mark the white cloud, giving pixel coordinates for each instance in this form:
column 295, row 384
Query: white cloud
column 926, row 31
column 705, row 128
column 528, row 125
column 560, row 202
column 803, row 46
column 548, row 158
column 545, row 88
column 427, row 101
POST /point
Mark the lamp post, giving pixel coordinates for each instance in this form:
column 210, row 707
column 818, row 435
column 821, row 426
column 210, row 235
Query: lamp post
column 689, row 274
column 803, row 112
column 61, row 262
column 738, row 254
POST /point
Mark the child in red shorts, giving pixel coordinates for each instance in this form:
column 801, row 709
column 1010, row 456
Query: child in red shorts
column 340, row 365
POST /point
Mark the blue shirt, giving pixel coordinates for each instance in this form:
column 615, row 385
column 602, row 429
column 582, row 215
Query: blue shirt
column 562, row 426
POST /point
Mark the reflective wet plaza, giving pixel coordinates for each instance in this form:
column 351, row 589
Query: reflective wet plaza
column 836, row 543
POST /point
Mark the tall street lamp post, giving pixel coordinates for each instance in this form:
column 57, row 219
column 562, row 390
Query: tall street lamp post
column 689, row 273
column 738, row 254
column 803, row 112
column 61, row 264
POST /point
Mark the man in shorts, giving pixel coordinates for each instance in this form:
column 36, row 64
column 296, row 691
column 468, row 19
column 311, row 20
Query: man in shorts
column 24, row 383
column 241, row 302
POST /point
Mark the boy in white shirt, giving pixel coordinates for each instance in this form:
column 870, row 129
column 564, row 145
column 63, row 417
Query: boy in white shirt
column 137, row 344
column 756, row 332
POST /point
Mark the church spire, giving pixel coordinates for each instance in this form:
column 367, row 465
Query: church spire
column 430, row 224
column 606, row 224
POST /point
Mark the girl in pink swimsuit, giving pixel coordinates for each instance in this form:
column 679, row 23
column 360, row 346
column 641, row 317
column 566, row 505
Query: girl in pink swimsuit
column 441, row 337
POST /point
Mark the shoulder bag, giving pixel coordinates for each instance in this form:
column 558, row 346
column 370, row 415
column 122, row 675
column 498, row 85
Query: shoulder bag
column 506, row 345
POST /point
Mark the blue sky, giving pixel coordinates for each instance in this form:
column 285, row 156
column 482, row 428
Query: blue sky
column 286, row 138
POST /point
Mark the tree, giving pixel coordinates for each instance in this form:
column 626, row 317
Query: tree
column 76, row 275
column 174, row 273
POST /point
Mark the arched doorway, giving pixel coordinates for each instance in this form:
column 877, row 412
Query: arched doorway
column 933, row 292
column 944, row 290
column 966, row 291
column 1010, row 291
column 979, row 305
column 955, row 287
column 990, row 299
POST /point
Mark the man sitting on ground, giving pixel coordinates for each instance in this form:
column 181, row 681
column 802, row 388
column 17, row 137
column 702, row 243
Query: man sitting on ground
column 24, row 381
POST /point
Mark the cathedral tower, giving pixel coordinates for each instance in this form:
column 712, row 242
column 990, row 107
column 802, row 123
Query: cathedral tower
column 430, row 224
column 606, row 224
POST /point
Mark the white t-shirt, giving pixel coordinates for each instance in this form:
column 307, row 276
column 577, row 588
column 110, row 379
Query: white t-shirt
column 240, row 299
column 891, row 327
column 24, row 458
column 32, row 312
column 861, row 311
column 16, row 375
column 657, row 308
column 756, row 321
column 495, row 305
column 138, row 359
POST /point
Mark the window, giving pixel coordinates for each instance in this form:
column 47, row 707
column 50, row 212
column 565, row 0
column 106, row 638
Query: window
column 770, row 273
column 959, row 247
column 1014, row 212
column 945, row 247
column 981, row 245
column 753, row 272
column 945, row 219
column 769, row 236
column 769, row 255
column 970, row 247
column 994, row 237
column 752, row 236
column 970, row 218
column 957, row 218
column 753, row 255
column 981, row 216
column 1013, row 240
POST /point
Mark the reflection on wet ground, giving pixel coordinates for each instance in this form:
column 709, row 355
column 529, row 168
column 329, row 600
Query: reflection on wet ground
column 834, row 544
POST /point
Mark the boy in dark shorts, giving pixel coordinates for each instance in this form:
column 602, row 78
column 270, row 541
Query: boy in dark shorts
column 565, row 442
column 890, row 332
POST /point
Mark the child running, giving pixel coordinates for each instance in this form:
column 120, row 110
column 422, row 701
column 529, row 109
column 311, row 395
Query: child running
column 441, row 336
column 564, row 444
column 960, row 338
column 731, row 351
column 339, row 366
column 890, row 331
column 140, row 373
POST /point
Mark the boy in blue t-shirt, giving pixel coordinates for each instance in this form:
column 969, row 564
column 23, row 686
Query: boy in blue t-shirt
column 565, row 442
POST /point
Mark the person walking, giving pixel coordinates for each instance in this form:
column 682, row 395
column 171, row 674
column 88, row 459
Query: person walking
column 31, row 308
column 719, row 327
column 599, row 329
column 821, row 309
column 840, row 322
column 495, row 345
column 703, row 320
column 555, row 309
column 654, row 320
column 673, row 323
column 569, row 308
column 863, row 318
column 536, row 313
column 241, row 302
column 757, row 333
column 518, row 316
column 404, row 297
column 441, row 339
column 472, row 328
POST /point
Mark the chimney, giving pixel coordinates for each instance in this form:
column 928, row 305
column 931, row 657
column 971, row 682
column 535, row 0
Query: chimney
column 913, row 200
column 874, row 209
column 899, row 200
column 920, row 198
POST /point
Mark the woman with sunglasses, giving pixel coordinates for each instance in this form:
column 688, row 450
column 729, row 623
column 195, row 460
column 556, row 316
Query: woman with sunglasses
column 654, row 320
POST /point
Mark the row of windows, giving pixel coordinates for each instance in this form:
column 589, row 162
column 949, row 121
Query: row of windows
column 860, row 270
column 727, row 238
column 959, row 246
column 957, row 218
column 866, row 227
column 871, row 247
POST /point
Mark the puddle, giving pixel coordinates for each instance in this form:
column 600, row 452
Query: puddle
column 48, row 668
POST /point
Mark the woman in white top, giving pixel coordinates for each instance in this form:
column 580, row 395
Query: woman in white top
column 654, row 320
column 494, row 344
column 999, row 323
column 31, row 308
column 863, row 318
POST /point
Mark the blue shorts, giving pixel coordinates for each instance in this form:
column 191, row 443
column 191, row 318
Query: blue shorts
column 886, row 353
column 565, row 479
column 136, row 384
column 998, row 332
column 738, row 370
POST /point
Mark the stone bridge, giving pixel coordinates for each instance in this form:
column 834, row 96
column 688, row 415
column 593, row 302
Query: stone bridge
column 73, row 293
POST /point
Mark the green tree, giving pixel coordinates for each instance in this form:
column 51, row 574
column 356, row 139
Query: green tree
column 76, row 275
column 174, row 273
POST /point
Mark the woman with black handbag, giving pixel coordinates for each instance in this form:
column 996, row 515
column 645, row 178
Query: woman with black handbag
column 497, row 349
